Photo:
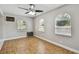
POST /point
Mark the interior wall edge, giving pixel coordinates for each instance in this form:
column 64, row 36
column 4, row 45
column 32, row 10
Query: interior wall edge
column 58, row 44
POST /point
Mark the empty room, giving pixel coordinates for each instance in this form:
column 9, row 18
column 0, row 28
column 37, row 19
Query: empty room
column 39, row 28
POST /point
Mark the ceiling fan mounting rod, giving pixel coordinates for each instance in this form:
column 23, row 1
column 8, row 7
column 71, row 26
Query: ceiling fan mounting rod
column 32, row 6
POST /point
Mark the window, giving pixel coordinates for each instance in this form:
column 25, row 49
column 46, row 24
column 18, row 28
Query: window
column 41, row 25
column 21, row 25
column 63, row 24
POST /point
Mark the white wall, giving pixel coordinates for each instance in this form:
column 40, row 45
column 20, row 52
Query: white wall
column 10, row 28
column 1, row 29
column 72, row 42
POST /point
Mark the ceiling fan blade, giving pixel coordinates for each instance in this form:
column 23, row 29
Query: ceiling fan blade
column 38, row 10
column 26, row 12
column 22, row 8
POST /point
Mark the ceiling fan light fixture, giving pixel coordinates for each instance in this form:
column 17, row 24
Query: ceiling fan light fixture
column 31, row 13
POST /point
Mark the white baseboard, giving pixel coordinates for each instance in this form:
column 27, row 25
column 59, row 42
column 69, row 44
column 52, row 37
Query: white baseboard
column 13, row 38
column 58, row 44
column 1, row 44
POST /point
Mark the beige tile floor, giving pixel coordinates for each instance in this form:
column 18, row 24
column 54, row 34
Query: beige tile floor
column 31, row 45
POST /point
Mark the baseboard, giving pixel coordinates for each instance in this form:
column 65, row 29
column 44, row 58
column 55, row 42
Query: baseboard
column 12, row 38
column 1, row 44
column 58, row 44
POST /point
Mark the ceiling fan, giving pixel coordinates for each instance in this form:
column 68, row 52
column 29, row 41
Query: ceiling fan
column 31, row 10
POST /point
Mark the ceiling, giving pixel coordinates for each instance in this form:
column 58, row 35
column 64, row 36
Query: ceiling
column 13, row 8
